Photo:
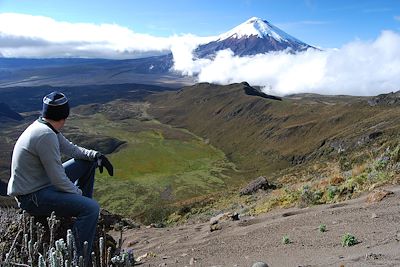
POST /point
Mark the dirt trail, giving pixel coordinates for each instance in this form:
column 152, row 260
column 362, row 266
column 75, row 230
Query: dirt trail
column 241, row 243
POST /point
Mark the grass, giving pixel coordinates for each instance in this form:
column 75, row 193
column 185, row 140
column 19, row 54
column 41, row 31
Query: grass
column 157, row 167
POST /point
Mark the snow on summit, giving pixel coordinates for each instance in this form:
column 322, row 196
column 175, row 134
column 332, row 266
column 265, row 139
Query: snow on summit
column 257, row 27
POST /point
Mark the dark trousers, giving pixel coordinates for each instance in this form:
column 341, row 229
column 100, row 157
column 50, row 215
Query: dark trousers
column 84, row 208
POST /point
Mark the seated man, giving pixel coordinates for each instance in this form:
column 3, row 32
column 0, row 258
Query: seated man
column 42, row 184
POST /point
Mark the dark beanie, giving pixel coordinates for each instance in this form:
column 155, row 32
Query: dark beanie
column 55, row 106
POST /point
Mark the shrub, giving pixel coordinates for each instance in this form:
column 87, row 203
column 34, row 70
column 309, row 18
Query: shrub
column 322, row 228
column 309, row 196
column 285, row 240
column 381, row 163
column 349, row 240
column 332, row 190
column 35, row 244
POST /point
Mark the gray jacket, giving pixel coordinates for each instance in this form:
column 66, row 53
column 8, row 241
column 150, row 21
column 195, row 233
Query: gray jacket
column 36, row 160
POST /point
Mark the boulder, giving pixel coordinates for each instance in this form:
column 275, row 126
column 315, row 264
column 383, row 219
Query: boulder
column 255, row 185
column 378, row 195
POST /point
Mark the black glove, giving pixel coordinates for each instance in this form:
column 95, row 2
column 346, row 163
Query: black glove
column 102, row 161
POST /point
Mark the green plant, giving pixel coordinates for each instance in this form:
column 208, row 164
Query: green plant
column 349, row 240
column 322, row 228
column 395, row 154
column 381, row 163
column 332, row 190
column 285, row 240
column 33, row 244
column 309, row 196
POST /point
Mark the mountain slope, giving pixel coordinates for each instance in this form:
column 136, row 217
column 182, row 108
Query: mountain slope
column 74, row 71
column 255, row 36
column 262, row 135
column 6, row 113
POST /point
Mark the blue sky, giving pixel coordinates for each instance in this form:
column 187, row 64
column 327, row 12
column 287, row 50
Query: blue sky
column 319, row 22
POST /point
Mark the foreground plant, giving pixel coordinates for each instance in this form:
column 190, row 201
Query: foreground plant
column 32, row 247
column 285, row 240
column 349, row 240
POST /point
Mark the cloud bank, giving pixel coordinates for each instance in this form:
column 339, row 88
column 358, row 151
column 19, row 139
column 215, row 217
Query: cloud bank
column 24, row 35
column 357, row 68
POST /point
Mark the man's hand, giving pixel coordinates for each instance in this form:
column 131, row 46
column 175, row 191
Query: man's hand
column 102, row 161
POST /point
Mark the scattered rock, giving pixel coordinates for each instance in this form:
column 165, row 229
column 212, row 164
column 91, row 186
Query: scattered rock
column 389, row 99
column 215, row 219
column 260, row 264
column 378, row 195
column 108, row 219
column 132, row 243
column 235, row 216
column 373, row 256
column 156, row 225
column 192, row 261
column 129, row 224
column 227, row 216
column 373, row 216
column 215, row 227
column 255, row 185
column 144, row 256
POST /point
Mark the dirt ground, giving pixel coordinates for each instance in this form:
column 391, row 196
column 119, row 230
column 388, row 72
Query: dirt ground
column 375, row 225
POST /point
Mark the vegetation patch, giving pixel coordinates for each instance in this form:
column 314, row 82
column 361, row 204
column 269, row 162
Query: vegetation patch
column 349, row 240
column 156, row 167
column 286, row 240
column 322, row 228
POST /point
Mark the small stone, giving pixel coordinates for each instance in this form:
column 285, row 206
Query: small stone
column 216, row 219
column 215, row 227
column 374, row 215
column 132, row 243
column 192, row 261
column 260, row 264
column 235, row 216
column 378, row 195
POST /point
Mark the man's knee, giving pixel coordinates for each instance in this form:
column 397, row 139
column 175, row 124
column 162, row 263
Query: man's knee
column 93, row 208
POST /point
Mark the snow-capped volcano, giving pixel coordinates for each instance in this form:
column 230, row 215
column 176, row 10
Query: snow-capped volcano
column 255, row 36
column 257, row 27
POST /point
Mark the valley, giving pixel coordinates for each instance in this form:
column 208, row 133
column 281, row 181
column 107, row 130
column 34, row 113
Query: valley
column 157, row 167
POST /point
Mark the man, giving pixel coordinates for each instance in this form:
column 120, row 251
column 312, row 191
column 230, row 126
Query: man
column 42, row 184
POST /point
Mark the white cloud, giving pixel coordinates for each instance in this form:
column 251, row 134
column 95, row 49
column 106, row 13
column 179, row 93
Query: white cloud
column 357, row 68
column 24, row 35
